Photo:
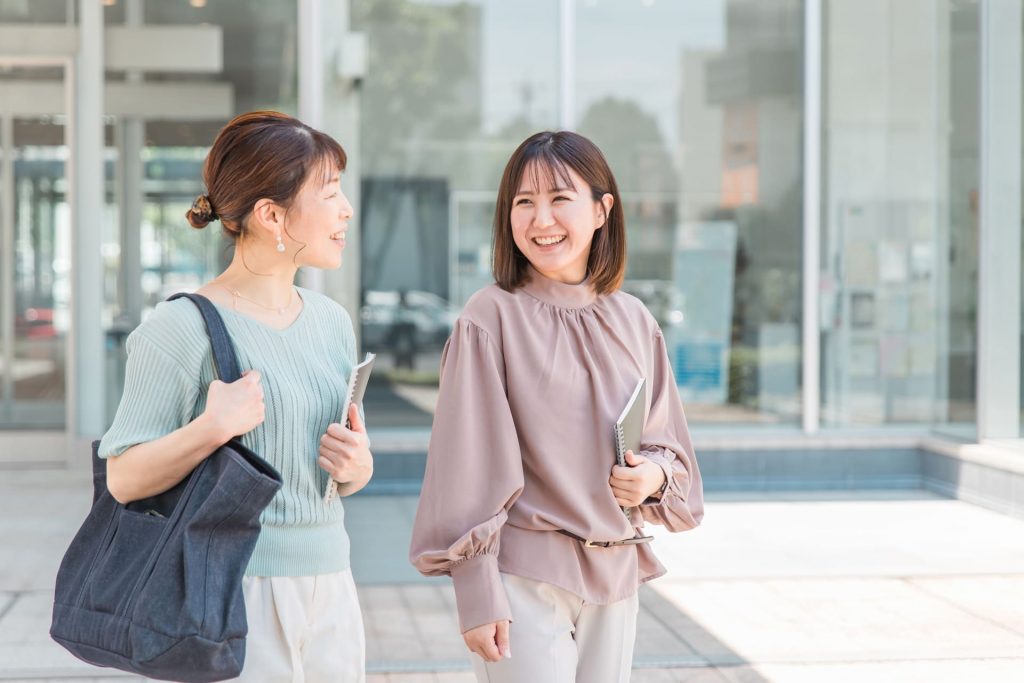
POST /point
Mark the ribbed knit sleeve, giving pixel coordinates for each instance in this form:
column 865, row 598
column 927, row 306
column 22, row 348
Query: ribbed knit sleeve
column 160, row 396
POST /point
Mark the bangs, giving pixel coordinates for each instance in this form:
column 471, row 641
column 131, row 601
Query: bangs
column 323, row 170
column 543, row 171
column 328, row 158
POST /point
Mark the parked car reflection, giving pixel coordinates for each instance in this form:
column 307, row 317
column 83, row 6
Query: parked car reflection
column 405, row 323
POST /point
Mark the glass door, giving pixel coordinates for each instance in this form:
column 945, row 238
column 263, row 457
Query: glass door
column 35, row 255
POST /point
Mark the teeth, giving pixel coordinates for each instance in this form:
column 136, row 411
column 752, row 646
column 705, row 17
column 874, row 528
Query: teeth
column 546, row 241
column 338, row 236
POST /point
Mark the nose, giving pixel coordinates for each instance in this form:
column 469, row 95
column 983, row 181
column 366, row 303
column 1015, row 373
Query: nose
column 346, row 208
column 543, row 217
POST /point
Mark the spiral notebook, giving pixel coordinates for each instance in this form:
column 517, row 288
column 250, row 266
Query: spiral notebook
column 629, row 428
column 357, row 381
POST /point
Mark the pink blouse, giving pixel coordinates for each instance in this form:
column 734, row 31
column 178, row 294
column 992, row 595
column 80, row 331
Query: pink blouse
column 522, row 445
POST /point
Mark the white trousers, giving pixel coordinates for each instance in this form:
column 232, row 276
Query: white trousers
column 303, row 629
column 557, row 637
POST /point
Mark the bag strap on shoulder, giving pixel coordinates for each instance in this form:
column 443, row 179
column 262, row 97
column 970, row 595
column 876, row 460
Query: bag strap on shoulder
column 224, row 358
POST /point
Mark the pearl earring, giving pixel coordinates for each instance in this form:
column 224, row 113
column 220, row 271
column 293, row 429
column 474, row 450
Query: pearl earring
column 280, row 243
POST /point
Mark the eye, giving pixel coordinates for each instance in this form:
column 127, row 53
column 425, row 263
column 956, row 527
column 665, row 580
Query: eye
column 522, row 202
column 562, row 198
column 332, row 196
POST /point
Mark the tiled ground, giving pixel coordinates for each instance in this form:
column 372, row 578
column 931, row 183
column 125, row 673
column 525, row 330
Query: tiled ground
column 897, row 587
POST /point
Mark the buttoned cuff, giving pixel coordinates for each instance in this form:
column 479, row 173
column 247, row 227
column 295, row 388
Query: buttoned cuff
column 665, row 464
column 479, row 594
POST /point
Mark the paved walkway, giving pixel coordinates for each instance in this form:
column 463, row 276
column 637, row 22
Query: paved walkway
column 896, row 586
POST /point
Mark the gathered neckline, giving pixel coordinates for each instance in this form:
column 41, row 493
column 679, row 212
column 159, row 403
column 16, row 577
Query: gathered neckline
column 559, row 294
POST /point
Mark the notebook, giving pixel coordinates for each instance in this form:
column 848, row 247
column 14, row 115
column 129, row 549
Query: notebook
column 357, row 381
column 629, row 428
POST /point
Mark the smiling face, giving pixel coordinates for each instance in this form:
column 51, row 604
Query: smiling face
column 319, row 218
column 554, row 217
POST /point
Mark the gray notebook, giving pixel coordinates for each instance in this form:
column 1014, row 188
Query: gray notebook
column 357, row 382
column 629, row 428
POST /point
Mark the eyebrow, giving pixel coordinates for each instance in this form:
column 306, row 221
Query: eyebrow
column 551, row 191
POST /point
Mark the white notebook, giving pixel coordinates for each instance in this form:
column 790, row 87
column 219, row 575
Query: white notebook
column 357, row 381
column 629, row 428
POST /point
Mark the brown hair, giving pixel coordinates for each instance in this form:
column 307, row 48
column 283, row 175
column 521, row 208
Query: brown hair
column 552, row 154
column 260, row 155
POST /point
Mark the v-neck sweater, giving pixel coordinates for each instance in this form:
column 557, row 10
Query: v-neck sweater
column 304, row 370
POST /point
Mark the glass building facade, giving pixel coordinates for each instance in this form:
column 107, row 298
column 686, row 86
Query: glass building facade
column 819, row 194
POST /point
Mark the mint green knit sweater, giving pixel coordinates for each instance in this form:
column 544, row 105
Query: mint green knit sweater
column 304, row 371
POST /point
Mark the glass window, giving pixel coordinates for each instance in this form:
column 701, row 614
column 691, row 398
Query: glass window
column 35, row 272
column 699, row 113
column 698, row 107
column 899, row 245
column 154, row 253
column 37, row 12
column 259, row 68
column 449, row 93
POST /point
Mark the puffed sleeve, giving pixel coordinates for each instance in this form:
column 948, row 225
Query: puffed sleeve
column 666, row 441
column 159, row 396
column 474, row 474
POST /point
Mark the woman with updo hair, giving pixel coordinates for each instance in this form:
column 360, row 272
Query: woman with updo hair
column 274, row 184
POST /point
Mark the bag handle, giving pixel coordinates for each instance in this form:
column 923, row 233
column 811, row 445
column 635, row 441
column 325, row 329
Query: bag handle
column 224, row 358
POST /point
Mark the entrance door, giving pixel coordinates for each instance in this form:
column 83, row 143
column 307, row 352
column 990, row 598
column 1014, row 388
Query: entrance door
column 35, row 263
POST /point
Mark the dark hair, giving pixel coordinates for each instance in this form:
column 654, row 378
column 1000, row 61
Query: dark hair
column 260, row 155
column 551, row 154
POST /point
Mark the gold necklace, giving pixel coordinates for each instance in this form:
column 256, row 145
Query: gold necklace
column 280, row 310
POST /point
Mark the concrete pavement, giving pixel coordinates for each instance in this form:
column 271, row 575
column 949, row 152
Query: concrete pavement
column 894, row 586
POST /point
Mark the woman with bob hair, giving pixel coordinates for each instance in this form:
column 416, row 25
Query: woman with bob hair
column 274, row 184
column 522, row 498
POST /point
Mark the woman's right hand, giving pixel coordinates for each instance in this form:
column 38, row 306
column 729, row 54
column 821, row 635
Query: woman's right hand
column 490, row 641
column 237, row 408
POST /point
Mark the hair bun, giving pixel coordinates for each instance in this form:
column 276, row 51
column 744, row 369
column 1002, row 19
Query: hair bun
column 201, row 212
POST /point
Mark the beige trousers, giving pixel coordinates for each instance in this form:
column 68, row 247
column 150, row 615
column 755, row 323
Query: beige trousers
column 303, row 629
column 557, row 637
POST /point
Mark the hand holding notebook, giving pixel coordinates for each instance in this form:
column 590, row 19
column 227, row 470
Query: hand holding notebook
column 357, row 381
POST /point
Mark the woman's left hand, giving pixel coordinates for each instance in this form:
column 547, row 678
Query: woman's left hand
column 345, row 453
column 634, row 484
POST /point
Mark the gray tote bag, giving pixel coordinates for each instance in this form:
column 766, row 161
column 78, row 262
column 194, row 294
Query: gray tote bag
column 154, row 587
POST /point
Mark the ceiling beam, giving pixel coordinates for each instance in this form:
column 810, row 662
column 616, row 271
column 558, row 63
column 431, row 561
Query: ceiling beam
column 177, row 49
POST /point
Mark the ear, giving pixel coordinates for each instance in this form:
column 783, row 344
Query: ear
column 266, row 215
column 607, row 202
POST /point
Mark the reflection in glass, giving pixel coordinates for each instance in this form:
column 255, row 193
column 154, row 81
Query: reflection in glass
column 167, row 151
column 899, row 249
column 450, row 92
column 698, row 108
